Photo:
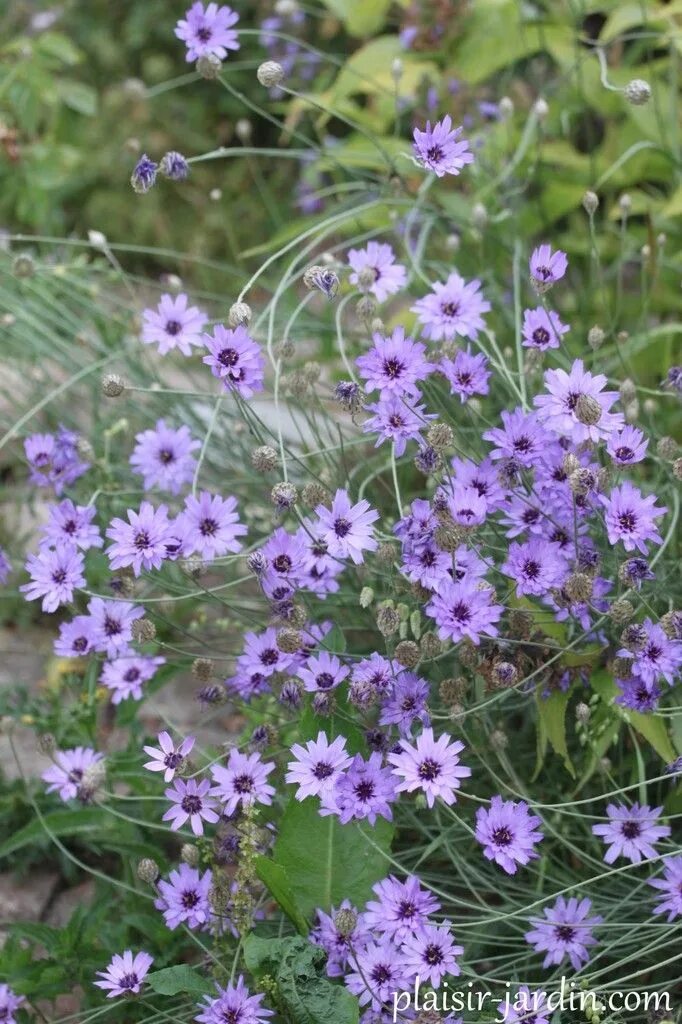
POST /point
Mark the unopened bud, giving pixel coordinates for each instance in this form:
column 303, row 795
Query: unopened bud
column 407, row 653
column 239, row 313
column 202, row 669
column 667, row 448
column 209, row 66
column 637, row 92
column 595, row 337
column 345, row 921
column 588, row 410
column 113, row 385
column 621, row 611
column 366, row 597
column 540, row 109
column 264, row 459
column 590, row 202
column 388, row 620
column 143, row 631
column 579, row 587
column 582, row 713
column 270, row 74
column 289, row 640
column 283, row 496
column 189, row 854
column 148, row 870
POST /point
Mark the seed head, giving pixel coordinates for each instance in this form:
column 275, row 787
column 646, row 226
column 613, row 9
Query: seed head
column 633, row 637
column 504, row 674
column 202, row 669
column 143, row 630
column 314, row 494
column 677, row 469
column 671, row 624
column 388, row 620
column 239, row 313
column 667, row 448
column 430, row 646
column 144, row 175
column 452, row 690
column 407, row 653
column 595, row 337
column 148, row 870
column 499, row 739
column 621, row 611
column 23, row 265
column 520, row 623
column 264, row 459
column 588, row 410
column 283, row 496
column 581, row 481
column 638, row 92
column 289, row 640
column 386, row 553
column 468, row 655
column 349, row 395
column 440, row 436
column 579, row 587
column 189, row 854
column 345, row 922
column 590, row 202
column 270, row 74
column 448, row 537
column 479, row 216
column 47, row 744
column 622, row 668
column 209, row 67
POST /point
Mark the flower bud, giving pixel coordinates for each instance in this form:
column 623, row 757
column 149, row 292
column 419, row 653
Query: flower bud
column 47, row 744
column 143, row 631
column 264, row 459
column 590, row 202
column 174, row 166
column 667, row 448
column 270, row 74
column 189, row 854
column 595, row 337
column 430, row 646
column 314, row 494
column 202, row 669
column 289, row 640
column 366, row 597
column 540, row 109
column 209, row 67
column 144, row 175
column 637, row 92
column 345, row 921
column 621, row 611
column 239, row 313
column 579, row 587
column 283, row 496
column 440, row 436
column 582, row 713
column 388, row 620
column 322, row 278
column 148, row 870
column 407, row 653
column 588, row 410
column 504, row 674
column 506, row 106
column 24, row 265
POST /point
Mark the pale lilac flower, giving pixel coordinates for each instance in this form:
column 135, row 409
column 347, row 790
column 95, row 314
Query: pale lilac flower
column 338, row 945
column 466, row 506
column 671, row 887
column 406, row 704
column 453, row 309
column 163, row 457
column 72, row 524
column 9, row 1002
column 461, row 610
column 395, row 364
column 542, row 329
column 630, row 517
column 508, row 833
column 318, row 765
column 190, row 802
column 208, row 32
column 183, row 899
column 54, row 459
column 547, row 267
column 236, row 359
column 243, row 782
column 126, row 676
column 5, row 567
column 233, row 1005
column 364, row 790
column 377, row 259
column 431, row 766
column 631, row 832
column 141, row 542
column 76, row 638
column 440, row 149
column 638, row 695
column 483, row 476
column 168, row 758
column 348, row 530
column 521, row 439
column 173, row 324
column 559, row 409
column 467, row 374
column 144, row 174
column 656, row 657
column 565, row 931
column 210, row 525
column 526, row 1008
column 431, row 953
column 402, row 908
column 55, row 574
column 536, row 567
column 376, row 972
column 322, row 673
column 111, row 624
column 627, row 446
column 397, row 419
column 67, row 776
column 125, row 974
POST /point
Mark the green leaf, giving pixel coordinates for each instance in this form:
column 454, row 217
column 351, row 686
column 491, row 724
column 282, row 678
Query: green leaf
column 360, row 17
column 172, row 981
column 650, row 726
column 552, row 728
column 325, row 861
column 306, row 996
column 78, row 96
column 275, row 879
column 59, row 823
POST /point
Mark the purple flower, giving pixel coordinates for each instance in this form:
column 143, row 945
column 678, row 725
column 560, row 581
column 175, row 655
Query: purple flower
column 54, row 576
column 630, row 517
column 431, row 766
column 9, row 1002
column 396, row 419
column 143, row 541
column 163, row 457
column 631, row 832
column 208, row 31
column 319, row 570
column 262, row 655
column 67, row 775
column 565, row 931
column 210, row 526
column 365, row 790
column 656, row 656
column 126, row 676
column 638, row 695
column 169, row 758
column 407, row 704
column 542, row 329
column 54, row 459
column 508, row 833
column 372, row 678
column 347, row 529
column 440, row 148
column 144, row 175
column 338, row 945
column 453, row 309
column 483, row 476
column 466, row 506
column 322, row 673
column 466, row 374
column 243, row 782
column 431, row 953
column 526, row 1008
column 377, row 971
column 394, row 364
column 72, row 524
column 318, row 765
column 627, row 446
column 75, row 637
column 236, row 359
column 234, row 1005
column 547, row 267
column 190, row 802
column 183, row 899
column 403, row 908
column 671, row 886
column 377, row 260
column 521, row 439
column 426, row 564
column 173, row 324
column 174, row 166
column 5, row 566
column 536, row 567
column 560, row 409
column 286, row 555
column 111, row 625
column 125, row 974
column 462, row 609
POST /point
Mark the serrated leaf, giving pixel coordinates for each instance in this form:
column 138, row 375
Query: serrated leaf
column 275, row 879
column 171, row 981
column 552, row 729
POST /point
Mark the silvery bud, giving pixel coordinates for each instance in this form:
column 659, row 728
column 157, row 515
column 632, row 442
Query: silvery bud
column 270, row 74
column 239, row 313
column 637, row 92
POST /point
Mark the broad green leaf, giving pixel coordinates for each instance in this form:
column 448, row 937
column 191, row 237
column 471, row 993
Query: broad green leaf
column 552, row 728
column 78, row 96
column 274, row 878
column 59, row 823
column 327, row 862
column 172, row 981
column 650, row 726
column 361, row 17
column 305, row 994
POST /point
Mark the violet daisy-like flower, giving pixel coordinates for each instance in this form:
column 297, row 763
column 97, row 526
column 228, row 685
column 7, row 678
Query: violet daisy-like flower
column 190, row 802
column 431, row 766
column 210, row 525
column 375, row 973
column 76, row 638
column 54, row 459
column 638, row 695
column 636, row 571
column 173, row 325
column 483, row 476
column 460, row 609
column 521, row 439
column 9, row 1002
column 542, row 329
column 347, row 529
column 261, row 654
column 67, row 776
column 547, row 267
column 163, row 457
column 112, row 624
column 537, row 566
column 235, row 359
column 631, row 832
column 466, row 374
column 402, row 908
column 453, row 309
column 627, row 446
column 565, row 931
column 365, row 790
column 426, row 564
column 233, row 1005
column 208, row 31
column 508, row 833
column 55, row 574
column 338, row 944
column 466, row 506
column 375, row 270
column 126, row 676
column 285, row 556
column 168, row 758
column 630, row 517
column 394, row 364
column 526, row 1007
column 406, row 704
column 431, row 953
column 440, row 149
column 372, row 679
column 562, row 409
column 125, row 974
column 397, row 419
column 243, row 781
column 141, row 542
column 183, row 899
column 72, row 524
column 670, row 885
column 322, row 673
column 656, row 657
column 318, row 765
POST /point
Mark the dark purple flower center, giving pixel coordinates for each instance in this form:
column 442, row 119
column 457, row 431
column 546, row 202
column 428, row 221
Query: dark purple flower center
column 191, row 804
column 627, row 521
column 76, row 775
column 70, row 526
column 80, row 644
column 208, row 527
column 204, row 34
column 269, row 656
column 631, row 829
column 624, row 454
column 128, row 981
column 543, row 273
column 523, row 444
column 112, row 627
column 173, row 327
column 653, row 652
column 132, row 675
column 381, row 974
column 502, row 836
column 450, row 309
column 364, row 790
column 540, row 336
column 324, row 681
column 244, row 784
column 572, row 399
column 173, row 759
column 393, row 368
column 429, row 770
column 322, row 770
column 282, row 563
column 319, row 548
column 564, row 932
column 406, row 910
column 228, row 357
column 166, row 456
column 342, row 527
column 396, row 421
column 461, row 612
column 59, row 575
column 531, row 515
column 464, row 379
column 433, row 954
column 531, row 569
column 434, row 154
column 141, row 540
column 428, row 558
column 189, row 898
